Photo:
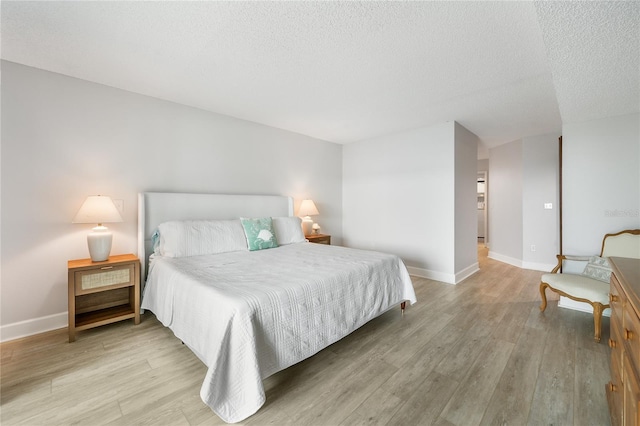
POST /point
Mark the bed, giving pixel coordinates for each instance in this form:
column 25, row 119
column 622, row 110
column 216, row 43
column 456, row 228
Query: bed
column 250, row 312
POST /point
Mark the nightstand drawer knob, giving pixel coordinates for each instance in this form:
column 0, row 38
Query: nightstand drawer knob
column 106, row 267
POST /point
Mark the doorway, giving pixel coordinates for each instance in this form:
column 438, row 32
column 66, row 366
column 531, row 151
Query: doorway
column 483, row 231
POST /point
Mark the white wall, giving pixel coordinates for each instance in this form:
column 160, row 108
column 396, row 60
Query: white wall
column 505, row 204
column 601, row 181
column 466, row 207
column 64, row 139
column 399, row 196
column 524, row 176
column 540, row 185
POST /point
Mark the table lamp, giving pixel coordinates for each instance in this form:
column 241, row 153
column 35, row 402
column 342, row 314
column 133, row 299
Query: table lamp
column 307, row 209
column 98, row 209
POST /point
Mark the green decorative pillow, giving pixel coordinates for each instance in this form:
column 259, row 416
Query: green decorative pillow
column 598, row 268
column 259, row 232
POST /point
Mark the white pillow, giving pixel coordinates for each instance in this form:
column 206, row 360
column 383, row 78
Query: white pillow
column 288, row 230
column 199, row 237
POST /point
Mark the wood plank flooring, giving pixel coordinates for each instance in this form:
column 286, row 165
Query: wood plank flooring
column 478, row 353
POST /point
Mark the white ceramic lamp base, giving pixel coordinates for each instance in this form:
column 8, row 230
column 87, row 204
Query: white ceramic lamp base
column 99, row 242
column 307, row 223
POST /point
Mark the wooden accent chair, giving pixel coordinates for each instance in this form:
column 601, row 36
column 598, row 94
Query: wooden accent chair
column 581, row 277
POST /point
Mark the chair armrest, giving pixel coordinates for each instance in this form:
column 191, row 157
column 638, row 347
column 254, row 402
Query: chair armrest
column 580, row 258
column 563, row 257
column 559, row 265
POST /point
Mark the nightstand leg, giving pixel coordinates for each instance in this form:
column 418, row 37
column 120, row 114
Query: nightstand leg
column 135, row 297
column 72, row 308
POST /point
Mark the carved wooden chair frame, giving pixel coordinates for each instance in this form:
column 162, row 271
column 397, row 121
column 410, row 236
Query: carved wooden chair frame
column 598, row 307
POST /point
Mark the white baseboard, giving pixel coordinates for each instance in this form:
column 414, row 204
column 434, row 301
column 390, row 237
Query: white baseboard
column 30, row 327
column 432, row 275
column 544, row 267
column 505, row 259
column 567, row 303
column 443, row 277
column 467, row 272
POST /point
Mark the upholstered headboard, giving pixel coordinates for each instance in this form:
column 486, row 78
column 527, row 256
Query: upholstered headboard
column 155, row 208
column 622, row 244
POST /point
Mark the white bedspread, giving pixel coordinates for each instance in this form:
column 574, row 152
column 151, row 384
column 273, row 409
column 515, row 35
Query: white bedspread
column 248, row 315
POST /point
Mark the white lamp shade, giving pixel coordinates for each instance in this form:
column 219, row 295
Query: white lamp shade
column 98, row 209
column 307, row 208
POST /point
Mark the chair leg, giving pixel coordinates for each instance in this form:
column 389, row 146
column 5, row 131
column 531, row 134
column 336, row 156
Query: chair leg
column 543, row 294
column 597, row 320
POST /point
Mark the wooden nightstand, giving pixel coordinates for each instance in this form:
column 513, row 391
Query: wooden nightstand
column 319, row 238
column 103, row 292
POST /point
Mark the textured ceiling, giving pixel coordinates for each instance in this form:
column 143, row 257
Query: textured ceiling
column 348, row 71
column 594, row 52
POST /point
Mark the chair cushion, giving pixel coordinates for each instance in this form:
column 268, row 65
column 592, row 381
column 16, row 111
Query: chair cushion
column 579, row 286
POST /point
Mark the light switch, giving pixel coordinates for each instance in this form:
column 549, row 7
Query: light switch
column 548, row 206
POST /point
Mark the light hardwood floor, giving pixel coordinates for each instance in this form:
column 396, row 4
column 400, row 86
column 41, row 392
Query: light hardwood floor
column 478, row 353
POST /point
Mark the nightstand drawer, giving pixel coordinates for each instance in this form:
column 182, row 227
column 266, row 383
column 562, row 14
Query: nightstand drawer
column 105, row 278
column 319, row 238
